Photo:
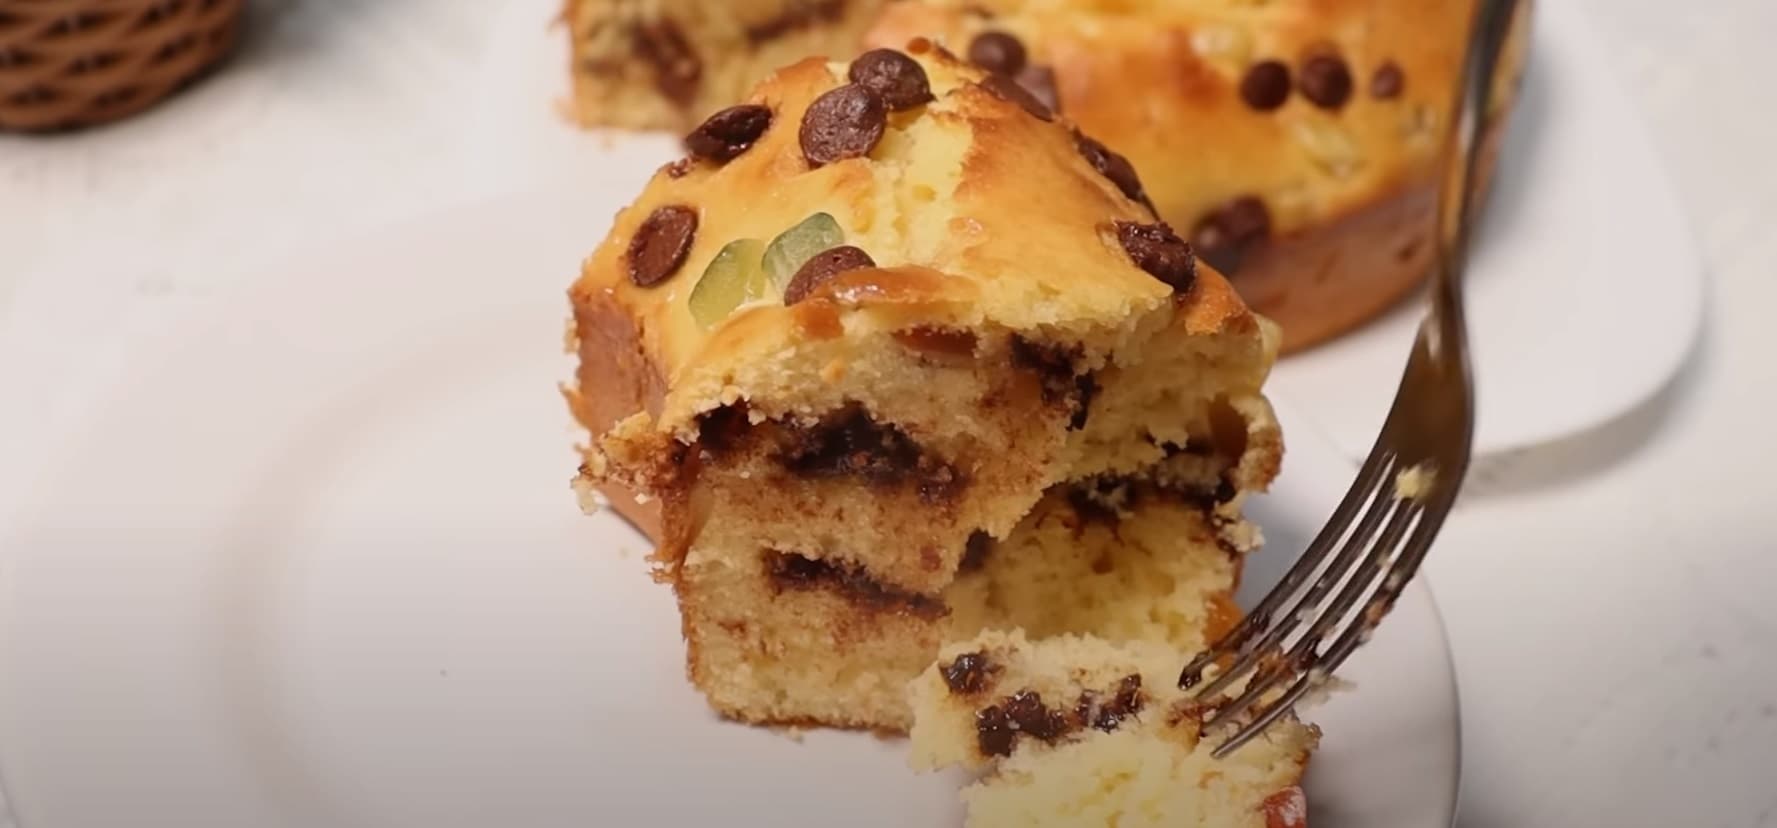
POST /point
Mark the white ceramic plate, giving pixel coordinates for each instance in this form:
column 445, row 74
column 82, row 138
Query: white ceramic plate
column 1585, row 292
column 316, row 563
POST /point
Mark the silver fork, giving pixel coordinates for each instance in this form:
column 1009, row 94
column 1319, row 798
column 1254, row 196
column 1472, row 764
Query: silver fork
column 1404, row 489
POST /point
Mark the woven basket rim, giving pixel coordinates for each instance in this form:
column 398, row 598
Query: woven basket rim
column 72, row 63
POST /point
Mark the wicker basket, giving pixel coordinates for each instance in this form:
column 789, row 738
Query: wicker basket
column 72, row 63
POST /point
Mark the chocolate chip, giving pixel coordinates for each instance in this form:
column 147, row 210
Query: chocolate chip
column 997, row 52
column 1085, row 389
column 842, row 123
column 1053, row 366
column 851, row 443
column 1157, row 250
column 1029, row 715
column 896, row 78
column 969, row 673
column 1039, row 81
column 1097, row 502
column 994, row 734
column 1388, row 82
column 1247, row 219
column 1009, row 90
column 821, row 268
column 1225, row 236
column 1114, row 167
column 677, row 69
column 975, row 554
column 1266, row 85
column 1225, row 490
column 729, row 133
column 1126, row 701
column 790, row 571
column 720, row 430
column 659, row 246
column 680, row 168
column 1325, row 81
column 940, row 483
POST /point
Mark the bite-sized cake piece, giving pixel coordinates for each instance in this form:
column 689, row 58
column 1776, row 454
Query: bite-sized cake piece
column 1313, row 190
column 881, row 310
column 1074, row 731
column 670, row 63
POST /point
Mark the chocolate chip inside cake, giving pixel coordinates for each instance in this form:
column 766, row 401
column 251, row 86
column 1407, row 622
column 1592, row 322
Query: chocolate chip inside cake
column 1072, row 731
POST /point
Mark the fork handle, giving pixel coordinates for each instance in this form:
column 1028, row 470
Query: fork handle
column 1475, row 93
column 1461, row 157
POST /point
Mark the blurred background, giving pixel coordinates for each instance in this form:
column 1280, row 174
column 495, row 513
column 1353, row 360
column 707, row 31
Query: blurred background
column 1625, row 678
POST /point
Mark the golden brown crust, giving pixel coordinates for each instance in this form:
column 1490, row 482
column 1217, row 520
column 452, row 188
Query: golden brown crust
column 1320, row 283
column 617, row 378
column 1189, row 62
column 1345, row 189
column 644, row 516
column 949, row 254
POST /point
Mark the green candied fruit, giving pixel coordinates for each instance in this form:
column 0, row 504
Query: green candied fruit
column 795, row 246
column 732, row 279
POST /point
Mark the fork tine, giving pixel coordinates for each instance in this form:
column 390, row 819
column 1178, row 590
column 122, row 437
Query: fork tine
column 1302, row 656
column 1265, row 719
column 1238, row 638
column 1378, row 504
column 1406, row 565
column 1431, row 420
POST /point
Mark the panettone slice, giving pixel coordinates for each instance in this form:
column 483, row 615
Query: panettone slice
column 669, row 63
column 882, row 309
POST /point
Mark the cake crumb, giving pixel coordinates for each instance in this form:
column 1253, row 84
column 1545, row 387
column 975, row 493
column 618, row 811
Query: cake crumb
column 1414, row 482
column 591, row 500
column 1322, row 686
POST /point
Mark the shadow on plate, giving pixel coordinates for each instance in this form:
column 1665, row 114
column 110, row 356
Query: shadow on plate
column 1595, row 451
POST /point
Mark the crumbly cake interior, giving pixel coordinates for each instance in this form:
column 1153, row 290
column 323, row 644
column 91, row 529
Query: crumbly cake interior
column 829, row 559
column 1128, row 563
column 1072, row 731
column 784, row 637
column 832, row 555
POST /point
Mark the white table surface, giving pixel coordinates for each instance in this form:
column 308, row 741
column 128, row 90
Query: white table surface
column 1610, row 597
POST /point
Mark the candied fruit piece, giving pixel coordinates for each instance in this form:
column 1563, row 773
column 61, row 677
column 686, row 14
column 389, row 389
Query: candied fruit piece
column 733, row 278
column 795, row 246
